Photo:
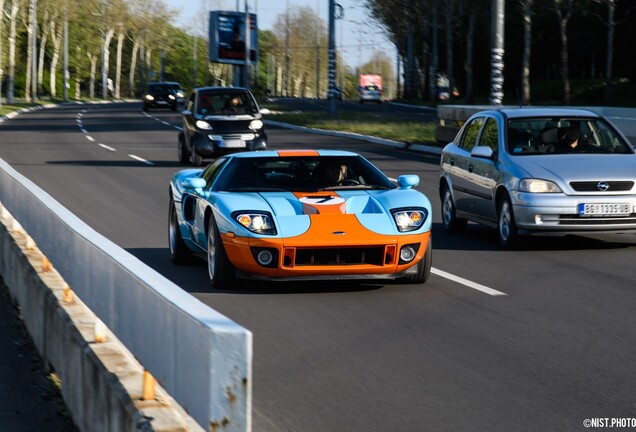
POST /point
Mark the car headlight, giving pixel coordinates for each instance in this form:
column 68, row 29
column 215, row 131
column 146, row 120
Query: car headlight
column 256, row 222
column 203, row 125
column 538, row 186
column 150, row 97
column 256, row 124
column 409, row 219
column 179, row 94
column 171, row 97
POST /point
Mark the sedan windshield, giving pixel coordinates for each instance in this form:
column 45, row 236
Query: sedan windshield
column 225, row 103
column 538, row 136
column 301, row 174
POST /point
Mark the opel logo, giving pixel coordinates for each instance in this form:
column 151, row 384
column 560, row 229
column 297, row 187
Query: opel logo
column 602, row 186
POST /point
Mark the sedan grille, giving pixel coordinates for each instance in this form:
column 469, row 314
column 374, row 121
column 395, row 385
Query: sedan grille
column 602, row 186
column 340, row 256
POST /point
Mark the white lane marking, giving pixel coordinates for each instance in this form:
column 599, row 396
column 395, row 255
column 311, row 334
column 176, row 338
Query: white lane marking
column 466, row 282
column 141, row 159
column 178, row 128
column 107, row 147
column 90, row 138
column 84, row 111
column 166, row 123
column 393, row 180
column 83, row 130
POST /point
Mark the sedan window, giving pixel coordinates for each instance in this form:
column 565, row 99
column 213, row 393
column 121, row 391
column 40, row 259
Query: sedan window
column 490, row 135
column 470, row 135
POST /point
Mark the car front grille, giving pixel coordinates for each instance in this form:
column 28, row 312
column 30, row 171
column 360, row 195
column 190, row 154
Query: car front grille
column 374, row 255
column 597, row 221
column 593, row 186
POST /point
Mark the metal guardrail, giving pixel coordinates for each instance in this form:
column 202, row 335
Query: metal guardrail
column 203, row 359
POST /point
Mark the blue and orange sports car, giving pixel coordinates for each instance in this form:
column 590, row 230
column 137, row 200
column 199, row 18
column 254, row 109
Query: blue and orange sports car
column 299, row 215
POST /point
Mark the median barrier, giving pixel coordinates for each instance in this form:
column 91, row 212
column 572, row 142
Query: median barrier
column 202, row 359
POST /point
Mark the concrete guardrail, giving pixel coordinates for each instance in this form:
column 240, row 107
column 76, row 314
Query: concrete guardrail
column 201, row 358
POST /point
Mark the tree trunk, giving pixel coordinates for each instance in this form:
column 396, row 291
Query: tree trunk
column 15, row 7
column 107, row 39
column 91, row 90
column 133, row 66
column 120, row 44
column 30, row 47
column 527, row 47
column 43, row 40
column 56, row 39
column 564, row 18
column 449, row 48
column 611, row 24
column 470, row 34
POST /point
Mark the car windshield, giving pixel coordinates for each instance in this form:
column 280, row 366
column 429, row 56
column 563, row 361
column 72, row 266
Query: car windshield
column 163, row 88
column 225, row 103
column 306, row 174
column 549, row 135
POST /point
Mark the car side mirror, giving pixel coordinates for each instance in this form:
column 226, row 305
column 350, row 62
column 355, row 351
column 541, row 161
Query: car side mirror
column 408, row 181
column 265, row 111
column 186, row 113
column 482, row 152
column 194, row 183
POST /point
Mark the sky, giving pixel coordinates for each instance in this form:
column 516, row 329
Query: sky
column 357, row 35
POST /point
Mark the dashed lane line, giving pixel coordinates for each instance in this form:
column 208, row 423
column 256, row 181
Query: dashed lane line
column 140, row 159
column 107, row 147
column 466, row 282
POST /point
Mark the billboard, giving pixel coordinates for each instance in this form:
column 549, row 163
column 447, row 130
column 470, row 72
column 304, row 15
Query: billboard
column 227, row 37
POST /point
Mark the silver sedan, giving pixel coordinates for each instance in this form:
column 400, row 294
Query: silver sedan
column 539, row 171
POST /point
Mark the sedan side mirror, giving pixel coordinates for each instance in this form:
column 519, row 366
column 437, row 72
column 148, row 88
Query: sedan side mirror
column 186, row 113
column 482, row 152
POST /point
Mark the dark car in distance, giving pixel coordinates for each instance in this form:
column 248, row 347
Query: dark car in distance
column 218, row 121
column 163, row 95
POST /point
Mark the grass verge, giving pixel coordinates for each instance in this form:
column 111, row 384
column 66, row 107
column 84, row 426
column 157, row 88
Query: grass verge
column 378, row 125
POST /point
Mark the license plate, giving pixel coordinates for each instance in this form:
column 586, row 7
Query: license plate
column 232, row 144
column 604, row 209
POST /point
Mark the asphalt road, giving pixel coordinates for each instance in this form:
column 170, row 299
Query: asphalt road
column 556, row 349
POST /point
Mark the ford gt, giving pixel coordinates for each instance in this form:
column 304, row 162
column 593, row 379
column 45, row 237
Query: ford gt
column 299, row 215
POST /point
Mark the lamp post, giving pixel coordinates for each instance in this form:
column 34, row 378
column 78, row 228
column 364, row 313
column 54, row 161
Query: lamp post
column 497, row 53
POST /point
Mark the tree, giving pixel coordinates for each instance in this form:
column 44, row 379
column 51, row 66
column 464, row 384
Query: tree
column 563, row 9
column 526, row 7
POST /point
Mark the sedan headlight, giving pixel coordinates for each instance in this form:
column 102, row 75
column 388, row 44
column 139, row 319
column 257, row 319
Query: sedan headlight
column 538, row 186
column 256, row 222
column 171, row 97
column 409, row 219
column 256, row 124
column 201, row 124
column 180, row 94
column 150, row 97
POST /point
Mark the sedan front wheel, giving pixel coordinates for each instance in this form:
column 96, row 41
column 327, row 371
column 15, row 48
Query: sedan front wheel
column 506, row 226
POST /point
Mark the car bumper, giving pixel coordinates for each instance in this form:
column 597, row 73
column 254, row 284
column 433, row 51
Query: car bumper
column 295, row 260
column 211, row 145
column 559, row 213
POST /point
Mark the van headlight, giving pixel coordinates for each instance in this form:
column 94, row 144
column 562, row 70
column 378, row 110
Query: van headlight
column 256, row 125
column 202, row 124
column 409, row 219
column 150, row 97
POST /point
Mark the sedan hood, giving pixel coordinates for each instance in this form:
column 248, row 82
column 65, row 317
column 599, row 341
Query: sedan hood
column 566, row 168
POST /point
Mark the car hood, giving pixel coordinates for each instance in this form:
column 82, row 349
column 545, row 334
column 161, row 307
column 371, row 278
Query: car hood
column 566, row 168
column 293, row 212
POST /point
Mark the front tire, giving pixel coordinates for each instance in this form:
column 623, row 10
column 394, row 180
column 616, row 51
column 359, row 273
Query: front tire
column 506, row 226
column 221, row 272
column 423, row 267
column 181, row 151
column 179, row 252
column 195, row 159
column 451, row 222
